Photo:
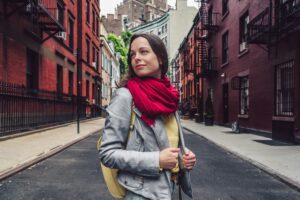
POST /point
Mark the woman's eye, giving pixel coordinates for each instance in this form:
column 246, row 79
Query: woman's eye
column 132, row 54
column 144, row 51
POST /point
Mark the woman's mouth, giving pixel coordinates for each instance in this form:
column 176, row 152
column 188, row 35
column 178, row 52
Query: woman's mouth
column 139, row 66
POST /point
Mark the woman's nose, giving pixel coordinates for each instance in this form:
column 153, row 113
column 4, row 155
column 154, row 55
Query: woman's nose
column 137, row 57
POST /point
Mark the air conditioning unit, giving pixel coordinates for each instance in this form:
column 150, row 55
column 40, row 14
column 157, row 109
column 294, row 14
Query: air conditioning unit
column 28, row 7
column 94, row 64
column 243, row 46
column 61, row 35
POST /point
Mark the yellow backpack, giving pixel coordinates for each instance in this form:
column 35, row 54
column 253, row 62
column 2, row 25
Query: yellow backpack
column 111, row 175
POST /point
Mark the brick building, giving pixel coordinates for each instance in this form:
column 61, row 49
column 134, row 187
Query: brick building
column 90, row 55
column 40, row 58
column 132, row 13
column 249, row 65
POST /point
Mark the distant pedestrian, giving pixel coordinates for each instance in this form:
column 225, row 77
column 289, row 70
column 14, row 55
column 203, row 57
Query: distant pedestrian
column 152, row 158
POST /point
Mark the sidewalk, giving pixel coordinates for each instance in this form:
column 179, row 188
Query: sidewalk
column 20, row 152
column 277, row 158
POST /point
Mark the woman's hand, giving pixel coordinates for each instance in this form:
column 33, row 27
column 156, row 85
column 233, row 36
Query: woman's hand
column 168, row 158
column 189, row 160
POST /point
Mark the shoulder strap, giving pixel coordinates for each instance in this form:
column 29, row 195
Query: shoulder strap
column 132, row 119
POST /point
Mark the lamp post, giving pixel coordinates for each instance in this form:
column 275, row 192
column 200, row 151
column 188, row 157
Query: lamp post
column 79, row 59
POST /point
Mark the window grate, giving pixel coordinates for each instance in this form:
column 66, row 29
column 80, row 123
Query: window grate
column 285, row 89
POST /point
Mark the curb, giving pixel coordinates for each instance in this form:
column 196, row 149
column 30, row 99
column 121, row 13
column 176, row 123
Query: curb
column 264, row 168
column 13, row 170
column 38, row 130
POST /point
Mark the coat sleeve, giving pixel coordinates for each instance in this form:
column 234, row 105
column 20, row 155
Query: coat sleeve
column 114, row 138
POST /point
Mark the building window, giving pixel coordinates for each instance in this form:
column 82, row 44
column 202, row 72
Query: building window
column 165, row 41
column 60, row 13
column 97, row 26
column 94, row 21
column 71, row 83
column 32, row 70
column 94, row 54
column 87, row 89
column 87, row 11
column 97, row 60
column 224, row 6
column 59, row 80
column 244, row 20
column 210, row 64
column 88, row 51
column 210, row 16
column 71, row 33
column 93, row 91
column 285, row 89
column 244, row 95
column 225, row 48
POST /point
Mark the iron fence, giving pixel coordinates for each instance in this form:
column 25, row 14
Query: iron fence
column 24, row 109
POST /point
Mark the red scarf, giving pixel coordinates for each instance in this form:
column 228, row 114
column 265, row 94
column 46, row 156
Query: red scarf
column 153, row 97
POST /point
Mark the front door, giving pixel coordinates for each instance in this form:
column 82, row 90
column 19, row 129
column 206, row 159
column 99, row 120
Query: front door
column 225, row 103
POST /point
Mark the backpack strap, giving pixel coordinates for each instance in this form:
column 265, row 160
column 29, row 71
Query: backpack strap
column 132, row 119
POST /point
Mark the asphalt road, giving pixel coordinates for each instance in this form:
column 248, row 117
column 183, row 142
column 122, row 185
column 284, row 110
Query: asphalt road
column 74, row 174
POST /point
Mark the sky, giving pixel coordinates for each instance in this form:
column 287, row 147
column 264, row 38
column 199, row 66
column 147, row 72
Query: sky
column 108, row 6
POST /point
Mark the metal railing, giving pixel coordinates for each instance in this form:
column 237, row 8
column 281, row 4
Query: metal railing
column 259, row 25
column 287, row 11
column 24, row 109
column 48, row 16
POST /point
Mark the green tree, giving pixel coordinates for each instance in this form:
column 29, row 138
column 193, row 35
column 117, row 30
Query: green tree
column 126, row 37
column 121, row 46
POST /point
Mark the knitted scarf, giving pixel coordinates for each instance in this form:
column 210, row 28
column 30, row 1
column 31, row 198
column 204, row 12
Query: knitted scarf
column 153, row 97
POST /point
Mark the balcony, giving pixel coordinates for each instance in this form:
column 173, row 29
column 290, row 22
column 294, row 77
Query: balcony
column 48, row 16
column 264, row 29
column 210, row 23
column 209, row 67
column 43, row 13
column 259, row 28
column 289, row 15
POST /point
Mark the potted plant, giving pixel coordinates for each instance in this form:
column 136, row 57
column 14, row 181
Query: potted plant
column 209, row 112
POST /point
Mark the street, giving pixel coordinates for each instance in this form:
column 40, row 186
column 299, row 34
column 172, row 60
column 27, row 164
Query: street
column 74, row 174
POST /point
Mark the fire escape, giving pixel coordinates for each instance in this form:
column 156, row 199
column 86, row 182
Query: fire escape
column 42, row 13
column 274, row 22
column 208, row 26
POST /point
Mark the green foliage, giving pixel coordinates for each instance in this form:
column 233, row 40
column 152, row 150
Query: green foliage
column 126, row 37
column 121, row 46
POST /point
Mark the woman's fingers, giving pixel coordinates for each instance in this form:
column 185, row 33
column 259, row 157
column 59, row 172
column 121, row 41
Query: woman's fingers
column 189, row 160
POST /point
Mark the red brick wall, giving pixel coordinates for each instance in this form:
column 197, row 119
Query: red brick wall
column 255, row 63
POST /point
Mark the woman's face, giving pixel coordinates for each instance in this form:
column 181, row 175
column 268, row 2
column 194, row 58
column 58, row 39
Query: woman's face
column 144, row 61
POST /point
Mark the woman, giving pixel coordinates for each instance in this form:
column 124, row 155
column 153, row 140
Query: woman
column 147, row 158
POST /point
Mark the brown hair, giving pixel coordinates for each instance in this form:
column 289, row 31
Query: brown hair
column 158, row 48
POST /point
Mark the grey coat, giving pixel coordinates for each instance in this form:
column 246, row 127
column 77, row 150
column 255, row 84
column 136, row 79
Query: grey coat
column 139, row 164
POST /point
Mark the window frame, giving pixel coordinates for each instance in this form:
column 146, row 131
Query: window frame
column 88, row 45
column 285, row 89
column 225, row 47
column 71, row 83
column 225, row 7
column 243, row 22
column 244, row 96
column 32, row 69
column 87, row 11
column 60, row 13
column 71, row 32
column 59, row 80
